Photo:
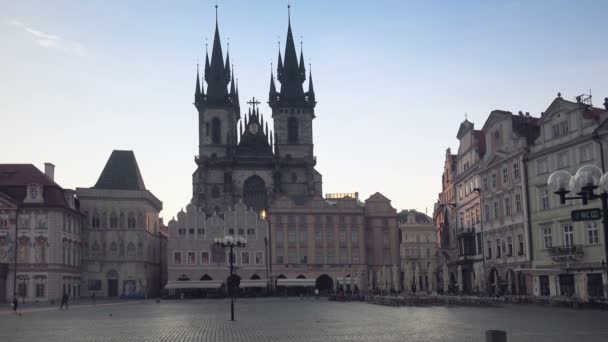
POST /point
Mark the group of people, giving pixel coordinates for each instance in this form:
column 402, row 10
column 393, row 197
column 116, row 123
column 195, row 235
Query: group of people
column 64, row 302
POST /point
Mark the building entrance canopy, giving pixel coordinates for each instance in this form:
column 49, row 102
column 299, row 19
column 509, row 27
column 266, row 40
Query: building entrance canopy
column 253, row 283
column 193, row 284
column 296, row 282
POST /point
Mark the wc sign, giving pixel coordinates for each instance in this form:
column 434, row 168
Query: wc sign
column 586, row 214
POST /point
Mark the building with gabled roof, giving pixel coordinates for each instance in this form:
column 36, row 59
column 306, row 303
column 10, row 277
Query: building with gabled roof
column 123, row 243
column 40, row 235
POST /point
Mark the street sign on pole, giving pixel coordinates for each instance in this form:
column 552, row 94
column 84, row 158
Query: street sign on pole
column 586, row 214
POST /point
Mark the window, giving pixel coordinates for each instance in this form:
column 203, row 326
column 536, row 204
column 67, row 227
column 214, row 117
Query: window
column 494, row 181
column 592, row 233
column 216, row 131
column 279, row 259
column 230, row 231
column 191, row 233
column 113, row 220
column 541, row 166
column 544, row 198
column 22, row 288
column 177, row 258
column 303, row 259
column 40, row 287
column 520, row 248
column 259, row 258
column 560, row 129
column 547, row 236
column 342, row 236
column 518, row 206
column 215, row 191
column 505, row 175
column 516, row 170
column 131, row 221
column 96, row 222
column 562, row 159
column 280, row 235
column 205, row 258
column 487, row 211
column 498, row 251
column 291, row 235
column 291, row 256
column 568, row 235
column 489, row 244
column 181, row 232
column 509, row 246
column 331, row 256
column 200, row 233
column 507, row 206
column 585, row 152
column 319, row 235
column 354, row 236
column 244, row 258
column 191, row 258
column 207, row 129
column 292, row 130
column 460, row 194
column 496, row 209
column 328, row 219
column 303, row 235
column 319, row 259
column 484, row 183
column 329, row 235
column 241, row 231
column 250, row 231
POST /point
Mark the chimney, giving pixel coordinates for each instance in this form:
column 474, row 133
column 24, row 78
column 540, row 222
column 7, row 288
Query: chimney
column 49, row 170
column 606, row 103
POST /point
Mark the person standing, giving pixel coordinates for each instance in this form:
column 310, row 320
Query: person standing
column 93, row 297
column 15, row 303
column 64, row 301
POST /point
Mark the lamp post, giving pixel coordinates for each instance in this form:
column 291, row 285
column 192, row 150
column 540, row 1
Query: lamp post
column 266, row 249
column 584, row 183
column 231, row 243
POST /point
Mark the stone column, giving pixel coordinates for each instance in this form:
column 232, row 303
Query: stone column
column 459, row 278
column 580, row 287
column 446, row 277
column 553, row 286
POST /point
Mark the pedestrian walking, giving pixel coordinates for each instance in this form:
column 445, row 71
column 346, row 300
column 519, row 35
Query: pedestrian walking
column 15, row 303
column 93, row 297
column 316, row 293
column 64, row 301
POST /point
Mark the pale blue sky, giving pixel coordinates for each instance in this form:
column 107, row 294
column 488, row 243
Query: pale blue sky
column 393, row 80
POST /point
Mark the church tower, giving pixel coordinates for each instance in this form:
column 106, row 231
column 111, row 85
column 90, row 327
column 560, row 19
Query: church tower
column 218, row 113
column 293, row 111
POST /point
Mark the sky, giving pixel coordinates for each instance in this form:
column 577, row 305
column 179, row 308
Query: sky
column 393, row 80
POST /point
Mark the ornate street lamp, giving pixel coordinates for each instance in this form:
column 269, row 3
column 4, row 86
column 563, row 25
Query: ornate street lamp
column 233, row 282
column 584, row 184
column 263, row 216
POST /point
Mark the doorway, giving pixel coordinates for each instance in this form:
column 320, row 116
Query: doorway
column 112, row 287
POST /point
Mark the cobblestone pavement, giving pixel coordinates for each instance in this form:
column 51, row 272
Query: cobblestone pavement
column 275, row 319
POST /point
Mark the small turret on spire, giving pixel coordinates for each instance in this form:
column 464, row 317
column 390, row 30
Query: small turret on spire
column 301, row 68
column 197, row 88
column 311, row 89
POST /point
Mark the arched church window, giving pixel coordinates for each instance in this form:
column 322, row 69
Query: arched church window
column 131, row 221
column 113, row 220
column 254, row 193
column 215, row 191
column 292, row 130
column 216, row 131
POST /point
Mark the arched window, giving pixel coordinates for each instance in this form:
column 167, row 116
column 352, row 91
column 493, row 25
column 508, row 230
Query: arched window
column 254, row 193
column 121, row 250
column 292, row 130
column 140, row 250
column 94, row 223
column 216, row 131
column 121, row 220
column 131, row 221
column 113, row 250
column 140, row 221
column 113, row 220
column 131, row 250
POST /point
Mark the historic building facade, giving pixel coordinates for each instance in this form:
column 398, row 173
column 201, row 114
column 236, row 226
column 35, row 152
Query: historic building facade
column 444, row 219
column 505, row 205
column 567, row 255
column 40, row 226
column 197, row 263
column 418, row 251
column 471, row 149
column 123, row 245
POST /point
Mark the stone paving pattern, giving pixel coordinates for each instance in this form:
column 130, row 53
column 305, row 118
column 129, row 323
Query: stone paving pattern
column 275, row 319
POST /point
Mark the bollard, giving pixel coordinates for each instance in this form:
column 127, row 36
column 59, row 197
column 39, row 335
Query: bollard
column 496, row 336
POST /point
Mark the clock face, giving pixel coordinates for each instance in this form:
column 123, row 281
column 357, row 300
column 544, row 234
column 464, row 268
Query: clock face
column 253, row 128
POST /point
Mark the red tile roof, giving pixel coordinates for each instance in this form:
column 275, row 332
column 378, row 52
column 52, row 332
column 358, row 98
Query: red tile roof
column 14, row 179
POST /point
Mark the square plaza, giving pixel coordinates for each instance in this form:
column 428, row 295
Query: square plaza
column 277, row 319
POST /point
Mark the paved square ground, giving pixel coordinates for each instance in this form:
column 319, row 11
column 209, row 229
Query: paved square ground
column 274, row 319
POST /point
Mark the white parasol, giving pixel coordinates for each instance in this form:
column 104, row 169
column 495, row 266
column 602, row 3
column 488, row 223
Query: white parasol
column 396, row 278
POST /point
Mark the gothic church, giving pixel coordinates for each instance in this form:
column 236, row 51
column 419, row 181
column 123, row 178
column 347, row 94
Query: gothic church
column 240, row 159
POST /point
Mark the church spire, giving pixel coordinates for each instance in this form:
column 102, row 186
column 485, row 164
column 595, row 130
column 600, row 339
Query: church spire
column 311, row 89
column 217, row 74
column 197, row 88
column 289, row 71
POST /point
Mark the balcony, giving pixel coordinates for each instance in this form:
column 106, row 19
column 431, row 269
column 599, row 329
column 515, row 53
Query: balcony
column 563, row 253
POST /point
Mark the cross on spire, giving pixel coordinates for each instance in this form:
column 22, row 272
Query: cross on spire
column 466, row 116
column 253, row 102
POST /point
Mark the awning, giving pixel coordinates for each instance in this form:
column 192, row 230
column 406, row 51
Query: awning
column 296, row 282
column 254, row 283
column 193, row 284
column 345, row 281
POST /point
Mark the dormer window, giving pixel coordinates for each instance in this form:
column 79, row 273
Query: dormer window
column 560, row 129
column 34, row 193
